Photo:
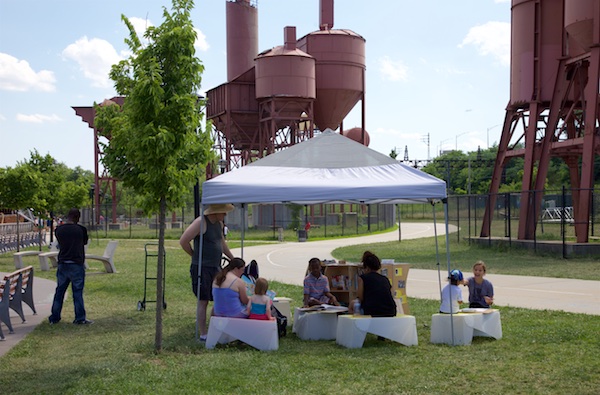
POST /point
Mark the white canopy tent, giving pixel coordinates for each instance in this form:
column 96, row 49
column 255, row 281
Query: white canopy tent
column 329, row 168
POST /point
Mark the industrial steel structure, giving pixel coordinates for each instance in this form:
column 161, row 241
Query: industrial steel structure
column 278, row 97
column 553, row 109
column 104, row 183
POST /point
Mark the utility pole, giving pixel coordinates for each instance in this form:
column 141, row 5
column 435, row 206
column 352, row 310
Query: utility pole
column 426, row 140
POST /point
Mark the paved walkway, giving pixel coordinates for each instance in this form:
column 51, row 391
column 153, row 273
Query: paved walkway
column 43, row 293
column 287, row 262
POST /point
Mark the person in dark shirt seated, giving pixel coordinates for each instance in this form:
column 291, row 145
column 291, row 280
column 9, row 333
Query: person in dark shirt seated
column 374, row 290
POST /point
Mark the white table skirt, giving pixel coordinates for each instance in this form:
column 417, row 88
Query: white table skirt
column 315, row 325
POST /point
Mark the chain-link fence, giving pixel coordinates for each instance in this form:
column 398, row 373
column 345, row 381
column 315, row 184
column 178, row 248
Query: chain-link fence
column 261, row 220
column 554, row 218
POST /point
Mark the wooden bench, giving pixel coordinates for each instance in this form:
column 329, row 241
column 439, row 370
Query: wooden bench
column 16, row 288
column 18, row 257
column 259, row 334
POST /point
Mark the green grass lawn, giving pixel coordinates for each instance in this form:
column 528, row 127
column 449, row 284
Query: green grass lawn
column 541, row 352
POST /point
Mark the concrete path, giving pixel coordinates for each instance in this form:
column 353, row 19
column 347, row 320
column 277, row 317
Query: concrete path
column 287, row 262
column 43, row 293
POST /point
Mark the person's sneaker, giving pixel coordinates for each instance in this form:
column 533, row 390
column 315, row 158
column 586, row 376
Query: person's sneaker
column 53, row 322
column 202, row 338
column 83, row 322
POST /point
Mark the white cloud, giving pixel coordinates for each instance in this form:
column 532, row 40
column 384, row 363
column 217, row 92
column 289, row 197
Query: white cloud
column 392, row 70
column 201, row 43
column 492, row 38
column 17, row 75
column 38, row 118
column 94, row 57
column 140, row 25
column 2, row 117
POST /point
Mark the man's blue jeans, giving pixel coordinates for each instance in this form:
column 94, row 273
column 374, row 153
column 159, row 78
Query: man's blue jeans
column 74, row 274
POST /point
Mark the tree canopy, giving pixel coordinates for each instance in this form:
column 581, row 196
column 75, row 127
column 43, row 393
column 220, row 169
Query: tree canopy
column 154, row 146
column 44, row 185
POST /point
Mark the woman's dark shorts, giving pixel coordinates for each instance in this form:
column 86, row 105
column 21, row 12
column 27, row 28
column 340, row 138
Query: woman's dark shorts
column 208, row 275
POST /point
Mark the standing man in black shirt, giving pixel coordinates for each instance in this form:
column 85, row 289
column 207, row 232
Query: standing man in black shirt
column 72, row 239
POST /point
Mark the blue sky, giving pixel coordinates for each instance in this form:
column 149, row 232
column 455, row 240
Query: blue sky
column 437, row 68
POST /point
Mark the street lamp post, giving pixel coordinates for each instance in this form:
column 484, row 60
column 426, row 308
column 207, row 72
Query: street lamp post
column 488, row 133
column 456, row 141
column 92, row 195
column 441, row 147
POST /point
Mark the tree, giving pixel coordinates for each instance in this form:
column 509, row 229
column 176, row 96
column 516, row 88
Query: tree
column 44, row 185
column 154, row 145
column 61, row 188
column 18, row 187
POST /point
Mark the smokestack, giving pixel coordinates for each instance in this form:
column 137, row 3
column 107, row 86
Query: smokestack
column 242, row 37
column 326, row 16
column 289, row 38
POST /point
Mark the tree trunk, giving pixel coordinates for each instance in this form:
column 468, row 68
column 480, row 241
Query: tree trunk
column 160, row 274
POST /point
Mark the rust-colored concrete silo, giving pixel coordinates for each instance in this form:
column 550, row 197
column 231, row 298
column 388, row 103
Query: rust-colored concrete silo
column 232, row 106
column 358, row 135
column 579, row 24
column 242, row 37
column 340, row 69
column 285, row 91
column 553, row 108
column 535, row 49
column 276, row 98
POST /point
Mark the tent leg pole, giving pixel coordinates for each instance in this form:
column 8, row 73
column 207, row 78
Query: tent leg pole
column 445, row 201
column 199, row 254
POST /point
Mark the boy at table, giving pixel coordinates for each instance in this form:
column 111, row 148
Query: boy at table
column 316, row 286
column 452, row 294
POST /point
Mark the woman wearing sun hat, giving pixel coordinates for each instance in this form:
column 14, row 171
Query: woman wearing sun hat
column 214, row 246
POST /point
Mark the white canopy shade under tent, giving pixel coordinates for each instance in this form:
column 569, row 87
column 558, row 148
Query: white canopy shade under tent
column 328, row 168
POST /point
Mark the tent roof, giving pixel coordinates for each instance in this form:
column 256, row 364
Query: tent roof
column 327, row 168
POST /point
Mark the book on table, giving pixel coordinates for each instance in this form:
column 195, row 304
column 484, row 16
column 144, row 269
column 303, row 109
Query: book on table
column 325, row 307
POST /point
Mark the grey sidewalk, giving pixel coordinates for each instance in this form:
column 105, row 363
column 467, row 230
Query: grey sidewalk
column 43, row 293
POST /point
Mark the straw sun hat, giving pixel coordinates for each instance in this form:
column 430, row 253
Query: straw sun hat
column 218, row 209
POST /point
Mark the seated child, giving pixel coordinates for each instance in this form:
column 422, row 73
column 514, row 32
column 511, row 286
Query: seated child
column 316, row 286
column 452, row 294
column 259, row 305
column 481, row 291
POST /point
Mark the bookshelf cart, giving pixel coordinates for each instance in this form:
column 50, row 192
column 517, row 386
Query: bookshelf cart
column 343, row 281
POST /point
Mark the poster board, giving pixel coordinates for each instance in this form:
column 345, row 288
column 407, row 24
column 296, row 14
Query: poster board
column 397, row 273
